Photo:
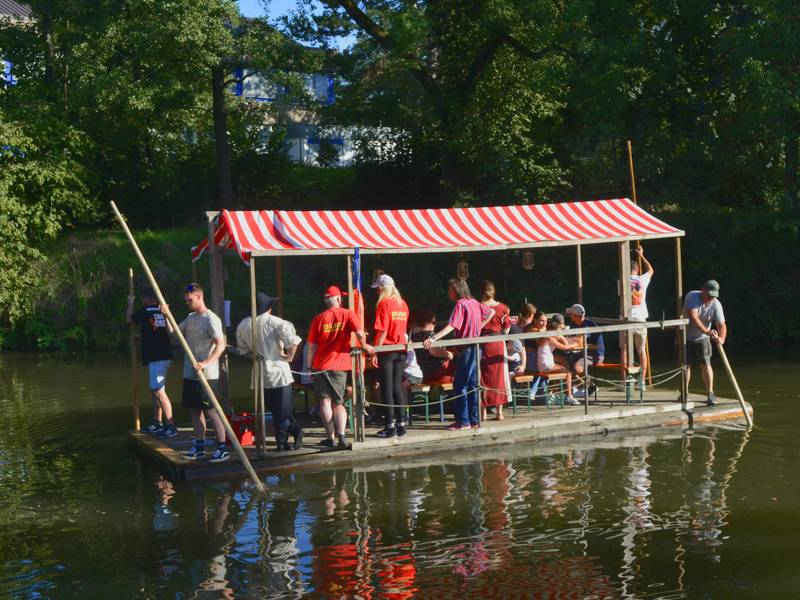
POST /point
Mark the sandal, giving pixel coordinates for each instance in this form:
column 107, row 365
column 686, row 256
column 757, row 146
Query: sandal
column 500, row 417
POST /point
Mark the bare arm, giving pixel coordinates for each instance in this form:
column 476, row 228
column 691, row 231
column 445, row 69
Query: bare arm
column 429, row 342
column 363, row 340
column 650, row 270
column 562, row 343
column 691, row 314
column 289, row 356
column 719, row 336
column 312, row 352
column 524, row 361
column 219, row 344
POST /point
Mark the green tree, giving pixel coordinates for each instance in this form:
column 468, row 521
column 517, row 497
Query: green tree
column 467, row 78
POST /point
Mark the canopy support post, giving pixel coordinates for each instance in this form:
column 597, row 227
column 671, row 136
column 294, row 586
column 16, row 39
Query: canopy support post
column 580, row 273
column 260, row 434
column 218, row 306
column 279, row 280
column 682, row 330
column 357, row 407
column 625, row 299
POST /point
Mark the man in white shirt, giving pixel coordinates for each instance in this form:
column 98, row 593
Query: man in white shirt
column 277, row 343
column 639, row 284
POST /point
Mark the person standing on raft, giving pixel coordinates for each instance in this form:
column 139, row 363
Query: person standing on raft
column 467, row 319
column 157, row 355
column 277, row 343
column 494, row 370
column 203, row 332
column 701, row 308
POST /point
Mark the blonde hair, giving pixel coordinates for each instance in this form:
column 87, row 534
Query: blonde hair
column 387, row 291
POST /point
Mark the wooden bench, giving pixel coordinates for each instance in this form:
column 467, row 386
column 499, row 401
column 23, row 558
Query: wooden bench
column 520, row 384
column 634, row 376
column 443, row 387
column 418, row 391
column 300, row 388
column 541, row 380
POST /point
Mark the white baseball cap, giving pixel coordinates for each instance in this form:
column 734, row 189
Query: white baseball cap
column 577, row 310
column 383, row 280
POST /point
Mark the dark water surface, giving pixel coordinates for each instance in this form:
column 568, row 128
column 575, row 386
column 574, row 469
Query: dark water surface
column 673, row 513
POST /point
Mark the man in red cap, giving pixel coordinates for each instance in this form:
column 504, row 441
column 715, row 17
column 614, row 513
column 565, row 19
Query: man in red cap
column 329, row 352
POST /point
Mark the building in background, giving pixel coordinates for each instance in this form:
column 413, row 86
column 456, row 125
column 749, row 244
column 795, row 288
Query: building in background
column 303, row 132
column 16, row 14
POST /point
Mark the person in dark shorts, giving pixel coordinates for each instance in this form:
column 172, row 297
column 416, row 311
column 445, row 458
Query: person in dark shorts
column 157, row 356
column 203, row 332
column 701, row 308
column 329, row 352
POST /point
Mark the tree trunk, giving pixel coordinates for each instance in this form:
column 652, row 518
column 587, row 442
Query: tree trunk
column 224, row 184
column 49, row 46
column 790, row 149
column 446, row 197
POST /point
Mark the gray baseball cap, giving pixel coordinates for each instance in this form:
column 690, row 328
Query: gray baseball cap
column 712, row 288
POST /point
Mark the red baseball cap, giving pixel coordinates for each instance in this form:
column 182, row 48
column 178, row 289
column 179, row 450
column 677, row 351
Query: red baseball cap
column 334, row 291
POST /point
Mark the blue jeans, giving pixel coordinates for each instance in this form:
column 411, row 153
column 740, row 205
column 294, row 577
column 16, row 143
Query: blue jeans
column 465, row 408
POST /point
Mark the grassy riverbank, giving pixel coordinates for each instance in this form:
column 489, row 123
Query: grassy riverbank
column 79, row 301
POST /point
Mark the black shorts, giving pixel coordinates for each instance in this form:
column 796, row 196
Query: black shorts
column 195, row 396
column 702, row 348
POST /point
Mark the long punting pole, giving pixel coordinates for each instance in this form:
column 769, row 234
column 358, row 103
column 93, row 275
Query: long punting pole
column 231, row 436
column 133, row 360
column 638, row 245
column 735, row 385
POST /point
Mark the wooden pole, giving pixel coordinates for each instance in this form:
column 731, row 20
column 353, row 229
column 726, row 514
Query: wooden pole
column 648, row 374
column 358, row 410
column 682, row 330
column 133, row 361
column 237, row 446
column 580, row 273
column 279, row 281
column 735, row 385
column 260, row 434
column 218, row 306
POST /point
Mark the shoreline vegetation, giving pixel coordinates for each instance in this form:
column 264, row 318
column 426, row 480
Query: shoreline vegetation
column 76, row 295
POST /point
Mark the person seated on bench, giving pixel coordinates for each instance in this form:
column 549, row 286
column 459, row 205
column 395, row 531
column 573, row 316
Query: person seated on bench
column 547, row 362
column 539, row 323
column 595, row 357
column 437, row 364
column 412, row 374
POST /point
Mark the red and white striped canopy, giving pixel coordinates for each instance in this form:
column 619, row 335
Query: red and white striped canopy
column 274, row 232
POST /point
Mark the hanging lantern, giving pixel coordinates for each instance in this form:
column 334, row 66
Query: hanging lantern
column 527, row 259
column 463, row 268
column 378, row 268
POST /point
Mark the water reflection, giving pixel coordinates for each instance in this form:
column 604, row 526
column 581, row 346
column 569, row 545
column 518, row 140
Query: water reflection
column 598, row 522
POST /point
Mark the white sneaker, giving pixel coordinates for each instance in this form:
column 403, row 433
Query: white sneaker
column 641, row 387
column 578, row 393
column 622, row 388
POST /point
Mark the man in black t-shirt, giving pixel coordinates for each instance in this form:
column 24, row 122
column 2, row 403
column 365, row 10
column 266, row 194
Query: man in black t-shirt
column 157, row 353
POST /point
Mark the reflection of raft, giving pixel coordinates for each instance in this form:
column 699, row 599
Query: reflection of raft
column 610, row 414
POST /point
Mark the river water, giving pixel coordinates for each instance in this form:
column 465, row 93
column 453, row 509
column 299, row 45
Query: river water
column 709, row 512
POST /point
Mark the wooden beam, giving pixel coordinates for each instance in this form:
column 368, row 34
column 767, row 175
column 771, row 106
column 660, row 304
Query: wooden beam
column 218, row 306
column 580, row 273
column 279, row 279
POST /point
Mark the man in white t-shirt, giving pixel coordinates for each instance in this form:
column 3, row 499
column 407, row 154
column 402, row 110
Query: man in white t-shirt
column 639, row 284
column 701, row 308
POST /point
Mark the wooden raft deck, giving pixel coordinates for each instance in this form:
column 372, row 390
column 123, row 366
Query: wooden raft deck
column 610, row 413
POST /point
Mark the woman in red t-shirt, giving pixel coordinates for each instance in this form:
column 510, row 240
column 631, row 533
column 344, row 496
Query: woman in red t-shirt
column 391, row 322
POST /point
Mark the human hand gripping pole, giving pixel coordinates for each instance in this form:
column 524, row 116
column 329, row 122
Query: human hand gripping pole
column 228, row 430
